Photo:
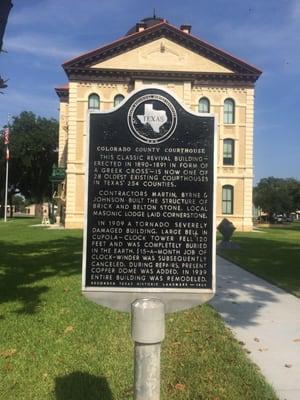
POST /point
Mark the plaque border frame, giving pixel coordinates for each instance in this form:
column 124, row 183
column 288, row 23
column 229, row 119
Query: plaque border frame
column 120, row 298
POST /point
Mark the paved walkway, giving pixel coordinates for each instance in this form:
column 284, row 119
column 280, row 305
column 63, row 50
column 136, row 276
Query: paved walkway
column 267, row 320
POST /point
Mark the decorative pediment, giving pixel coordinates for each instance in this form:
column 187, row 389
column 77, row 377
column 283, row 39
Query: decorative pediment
column 162, row 54
column 161, row 48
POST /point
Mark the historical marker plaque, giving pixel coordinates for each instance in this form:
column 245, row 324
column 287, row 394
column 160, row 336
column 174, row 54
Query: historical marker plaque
column 150, row 227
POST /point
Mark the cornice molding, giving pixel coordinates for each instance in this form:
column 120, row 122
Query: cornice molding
column 63, row 94
column 128, row 76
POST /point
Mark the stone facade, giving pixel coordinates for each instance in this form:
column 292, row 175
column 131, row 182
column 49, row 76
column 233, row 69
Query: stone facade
column 161, row 55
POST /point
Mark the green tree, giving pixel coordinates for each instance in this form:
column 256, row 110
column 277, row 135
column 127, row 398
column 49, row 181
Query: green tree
column 19, row 202
column 293, row 187
column 33, row 144
column 277, row 195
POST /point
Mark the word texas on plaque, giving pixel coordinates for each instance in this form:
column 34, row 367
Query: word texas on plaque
column 150, row 219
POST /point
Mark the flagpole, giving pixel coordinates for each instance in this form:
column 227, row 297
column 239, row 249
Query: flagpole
column 6, row 187
column 6, row 176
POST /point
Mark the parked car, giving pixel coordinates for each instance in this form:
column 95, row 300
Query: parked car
column 280, row 219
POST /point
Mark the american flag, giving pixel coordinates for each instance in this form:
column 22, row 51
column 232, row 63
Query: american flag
column 6, row 135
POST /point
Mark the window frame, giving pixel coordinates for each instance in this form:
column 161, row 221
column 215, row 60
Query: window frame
column 227, row 201
column 92, row 97
column 119, row 95
column 229, row 160
column 208, row 105
column 230, row 114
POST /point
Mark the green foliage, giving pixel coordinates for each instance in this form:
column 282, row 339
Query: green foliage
column 19, row 202
column 33, row 141
column 56, row 345
column 293, row 187
column 277, row 195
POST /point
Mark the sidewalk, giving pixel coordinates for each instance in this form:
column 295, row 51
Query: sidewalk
column 267, row 320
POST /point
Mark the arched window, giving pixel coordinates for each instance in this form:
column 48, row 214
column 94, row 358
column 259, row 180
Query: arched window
column 227, row 199
column 228, row 152
column 94, row 102
column 229, row 111
column 204, row 105
column 117, row 100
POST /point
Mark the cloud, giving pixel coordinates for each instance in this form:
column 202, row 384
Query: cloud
column 271, row 43
column 295, row 10
column 44, row 12
column 17, row 101
column 19, row 98
column 67, row 13
column 40, row 45
column 53, row 28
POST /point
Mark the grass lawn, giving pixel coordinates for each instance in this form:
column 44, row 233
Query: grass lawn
column 272, row 253
column 54, row 344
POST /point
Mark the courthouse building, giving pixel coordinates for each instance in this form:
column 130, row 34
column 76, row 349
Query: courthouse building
column 203, row 77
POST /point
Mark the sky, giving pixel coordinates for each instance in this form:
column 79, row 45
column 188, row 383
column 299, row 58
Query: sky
column 42, row 34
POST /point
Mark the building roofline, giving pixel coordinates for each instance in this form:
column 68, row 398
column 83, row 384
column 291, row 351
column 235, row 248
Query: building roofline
column 63, row 87
column 121, row 44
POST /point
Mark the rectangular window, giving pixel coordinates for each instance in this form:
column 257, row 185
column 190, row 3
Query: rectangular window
column 227, row 199
column 228, row 117
column 229, row 111
column 228, row 152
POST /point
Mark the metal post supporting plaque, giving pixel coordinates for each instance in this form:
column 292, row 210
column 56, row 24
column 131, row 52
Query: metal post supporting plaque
column 148, row 331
